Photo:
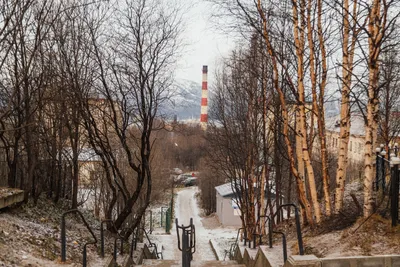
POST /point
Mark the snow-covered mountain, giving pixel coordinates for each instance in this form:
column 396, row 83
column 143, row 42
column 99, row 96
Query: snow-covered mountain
column 185, row 101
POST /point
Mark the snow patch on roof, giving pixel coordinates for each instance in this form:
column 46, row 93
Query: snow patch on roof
column 85, row 154
column 224, row 189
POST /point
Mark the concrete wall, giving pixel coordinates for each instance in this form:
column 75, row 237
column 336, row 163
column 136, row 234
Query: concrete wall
column 356, row 261
column 250, row 259
column 225, row 212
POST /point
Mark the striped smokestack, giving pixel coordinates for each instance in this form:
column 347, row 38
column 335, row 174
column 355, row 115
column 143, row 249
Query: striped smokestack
column 204, row 97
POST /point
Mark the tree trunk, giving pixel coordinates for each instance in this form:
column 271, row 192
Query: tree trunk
column 376, row 34
column 300, row 186
column 299, row 39
column 299, row 149
column 318, row 101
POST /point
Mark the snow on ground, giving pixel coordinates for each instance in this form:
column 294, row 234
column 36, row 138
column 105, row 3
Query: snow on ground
column 206, row 229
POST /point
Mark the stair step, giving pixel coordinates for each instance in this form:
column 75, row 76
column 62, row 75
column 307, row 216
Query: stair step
column 175, row 263
column 161, row 263
column 216, row 264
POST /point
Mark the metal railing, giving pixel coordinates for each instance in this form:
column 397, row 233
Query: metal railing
column 269, row 228
column 395, row 184
column 381, row 167
column 151, row 221
column 188, row 242
column 64, row 238
column 118, row 236
column 152, row 244
column 135, row 236
column 391, row 187
column 298, row 226
column 284, row 246
column 233, row 247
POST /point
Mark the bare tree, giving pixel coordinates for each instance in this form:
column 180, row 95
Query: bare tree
column 134, row 76
column 380, row 25
column 389, row 126
column 350, row 31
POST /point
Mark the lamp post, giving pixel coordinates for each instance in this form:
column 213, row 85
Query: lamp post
column 383, row 169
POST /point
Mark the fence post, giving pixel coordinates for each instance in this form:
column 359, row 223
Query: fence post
column 377, row 162
column 167, row 221
column 394, row 207
column 383, row 169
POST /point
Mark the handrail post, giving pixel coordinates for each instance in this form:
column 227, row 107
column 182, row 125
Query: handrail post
column 270, row 232
column 151, row 221
column 131, row 246
column 84, row 256
column 136, row 238
column 283, row 245
column 63, row 235
column 101, row 240
column 298, row 228
column 115, row 250
column 269, row 229
column 245, row 237
column 63, row 240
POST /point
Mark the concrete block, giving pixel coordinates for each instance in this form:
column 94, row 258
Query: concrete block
column 249, row 256
column 357, row 261
column 127, row 262
column 9, row 196
column 394, row 261
column 261, row 260
column 109, row 261
column 147, row 253
column 239, row 255
column 303, row 261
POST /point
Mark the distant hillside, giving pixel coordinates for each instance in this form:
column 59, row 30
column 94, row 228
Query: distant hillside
column 185, row 101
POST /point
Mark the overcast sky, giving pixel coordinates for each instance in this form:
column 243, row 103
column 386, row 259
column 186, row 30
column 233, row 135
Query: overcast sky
column 205, row 46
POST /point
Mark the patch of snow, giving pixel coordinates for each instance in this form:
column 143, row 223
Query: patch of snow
column 206, row 229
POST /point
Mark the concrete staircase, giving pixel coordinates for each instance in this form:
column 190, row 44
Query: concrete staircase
column 175, row 263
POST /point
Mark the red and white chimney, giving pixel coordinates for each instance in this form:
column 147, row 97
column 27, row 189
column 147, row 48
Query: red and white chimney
column 204, row 99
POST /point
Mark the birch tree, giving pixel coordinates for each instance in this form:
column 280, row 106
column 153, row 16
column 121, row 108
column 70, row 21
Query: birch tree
column 350, row 31
column 380, row 25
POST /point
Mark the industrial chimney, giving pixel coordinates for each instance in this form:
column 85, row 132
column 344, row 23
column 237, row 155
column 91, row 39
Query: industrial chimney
column 204, row 97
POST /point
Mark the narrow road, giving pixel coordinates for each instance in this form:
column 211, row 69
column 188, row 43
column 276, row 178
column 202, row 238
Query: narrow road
column 185, row 208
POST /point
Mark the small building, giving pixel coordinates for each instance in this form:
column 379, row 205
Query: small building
column 227, row 211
